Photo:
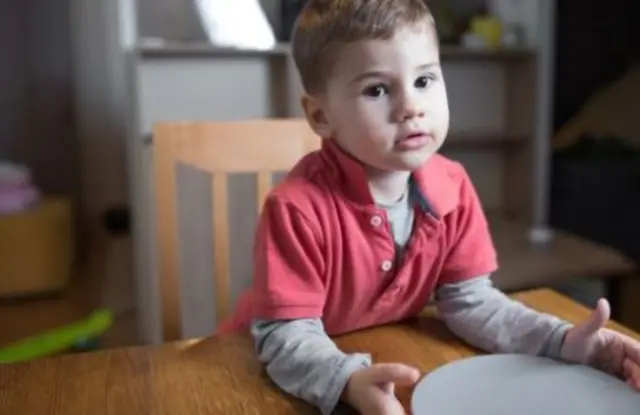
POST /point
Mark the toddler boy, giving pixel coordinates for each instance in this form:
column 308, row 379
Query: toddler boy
column 365, row 230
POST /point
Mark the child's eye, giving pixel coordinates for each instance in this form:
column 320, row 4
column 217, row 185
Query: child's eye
column 376, row 91
column 423, row 82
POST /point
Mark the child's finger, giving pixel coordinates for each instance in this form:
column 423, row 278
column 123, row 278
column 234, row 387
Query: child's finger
column 393, row 406
column 393, row 373
column 634, row 384
column 384, row 404
column 631, row 372
column 596, row 320
column 632, row 349
column 389, row 387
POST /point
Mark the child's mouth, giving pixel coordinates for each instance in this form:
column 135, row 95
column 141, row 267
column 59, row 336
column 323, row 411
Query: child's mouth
column 412, row 141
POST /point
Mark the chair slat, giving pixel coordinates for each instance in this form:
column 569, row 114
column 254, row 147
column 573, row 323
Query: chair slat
column 220, row 205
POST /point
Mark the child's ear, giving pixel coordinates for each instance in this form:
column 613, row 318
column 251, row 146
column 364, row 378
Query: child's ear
column 316, row 116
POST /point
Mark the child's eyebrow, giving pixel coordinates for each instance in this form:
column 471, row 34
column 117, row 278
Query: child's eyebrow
column 379, row 74
column 368, row 74
column 429, row 65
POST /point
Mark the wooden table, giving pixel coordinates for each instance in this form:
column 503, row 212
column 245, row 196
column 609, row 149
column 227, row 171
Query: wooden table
column 219, row 375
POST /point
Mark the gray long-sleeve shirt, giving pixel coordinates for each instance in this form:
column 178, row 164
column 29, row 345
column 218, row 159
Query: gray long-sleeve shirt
column 302, row 360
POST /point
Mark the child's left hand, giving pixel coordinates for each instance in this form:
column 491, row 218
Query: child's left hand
column 592, row 344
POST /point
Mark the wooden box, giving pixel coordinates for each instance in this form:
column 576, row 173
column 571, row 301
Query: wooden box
column 36, row 249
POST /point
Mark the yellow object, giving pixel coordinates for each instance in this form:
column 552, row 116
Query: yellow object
column 36, row 248
column 488, row 29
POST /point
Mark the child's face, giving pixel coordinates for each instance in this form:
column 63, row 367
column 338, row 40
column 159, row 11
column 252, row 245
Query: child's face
column 385, row 102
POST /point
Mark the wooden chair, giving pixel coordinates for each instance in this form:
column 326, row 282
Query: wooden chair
column 219, row 148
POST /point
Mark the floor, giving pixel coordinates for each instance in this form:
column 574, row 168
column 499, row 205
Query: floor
column 21, row 318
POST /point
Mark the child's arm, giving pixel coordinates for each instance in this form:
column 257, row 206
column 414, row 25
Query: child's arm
column 488, row 319
column 471, row 307
column 289, row 298
column 302, row 360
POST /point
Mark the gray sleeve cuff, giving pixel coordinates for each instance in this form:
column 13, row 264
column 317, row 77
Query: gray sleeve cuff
column 349, row 365
column 554, row 345
column 304, row 361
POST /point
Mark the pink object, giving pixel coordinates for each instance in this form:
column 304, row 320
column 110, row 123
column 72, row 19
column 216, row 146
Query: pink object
column 18, row 199
column 16, row 191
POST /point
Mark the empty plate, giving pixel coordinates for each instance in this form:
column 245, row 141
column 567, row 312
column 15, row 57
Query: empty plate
column 504, row 384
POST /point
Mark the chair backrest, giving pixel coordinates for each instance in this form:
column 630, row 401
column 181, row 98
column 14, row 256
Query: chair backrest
column 261, row 147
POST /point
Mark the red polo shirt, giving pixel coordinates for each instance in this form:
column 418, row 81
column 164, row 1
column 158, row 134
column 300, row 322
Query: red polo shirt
column 323, row 249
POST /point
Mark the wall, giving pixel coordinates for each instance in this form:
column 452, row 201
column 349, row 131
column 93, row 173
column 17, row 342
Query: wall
column 12, row 77
column 177, row 19
column 101, row 32
column 36, row 103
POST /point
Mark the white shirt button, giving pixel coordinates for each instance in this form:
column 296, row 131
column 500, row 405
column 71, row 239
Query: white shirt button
column 386, row 265
column 376, row 221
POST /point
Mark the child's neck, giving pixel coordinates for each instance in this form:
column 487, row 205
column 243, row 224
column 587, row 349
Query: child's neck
column 388, row 187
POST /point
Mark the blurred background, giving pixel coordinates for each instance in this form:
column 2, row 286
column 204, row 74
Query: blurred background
column 545, row 105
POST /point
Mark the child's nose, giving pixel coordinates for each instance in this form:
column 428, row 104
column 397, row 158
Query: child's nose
column 409, row 107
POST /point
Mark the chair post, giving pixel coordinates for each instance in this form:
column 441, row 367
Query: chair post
column 167, row 242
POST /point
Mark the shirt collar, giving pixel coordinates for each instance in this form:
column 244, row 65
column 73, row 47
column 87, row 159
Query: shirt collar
column 431, row 185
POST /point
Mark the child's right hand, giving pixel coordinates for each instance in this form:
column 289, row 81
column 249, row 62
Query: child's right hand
column 371, row 390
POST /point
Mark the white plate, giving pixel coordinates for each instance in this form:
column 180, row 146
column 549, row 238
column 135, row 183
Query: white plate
column 523, row 385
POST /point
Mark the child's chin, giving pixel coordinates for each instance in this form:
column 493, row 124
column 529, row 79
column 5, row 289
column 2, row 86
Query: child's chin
column 414, row 160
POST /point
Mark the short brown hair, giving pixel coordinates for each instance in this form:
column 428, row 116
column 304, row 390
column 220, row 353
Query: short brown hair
column 324, row 25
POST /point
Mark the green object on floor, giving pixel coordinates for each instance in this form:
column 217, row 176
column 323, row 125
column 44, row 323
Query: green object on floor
column 80, row 335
